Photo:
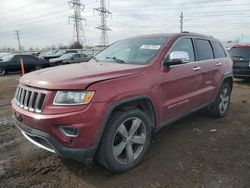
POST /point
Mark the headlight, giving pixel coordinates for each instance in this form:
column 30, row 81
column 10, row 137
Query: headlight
column 73, row 97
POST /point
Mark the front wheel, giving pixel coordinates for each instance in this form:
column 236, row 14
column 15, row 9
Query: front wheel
column 125, row 140
column 221, row 106
column 2, row 71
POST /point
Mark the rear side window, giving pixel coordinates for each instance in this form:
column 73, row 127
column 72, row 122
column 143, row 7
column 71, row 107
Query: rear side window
column 76, row 56
column 219, row 51
column 204, row 50
column 185, row 45
column 27, row 58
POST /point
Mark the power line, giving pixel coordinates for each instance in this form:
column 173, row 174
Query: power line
column 163, row 6
column 44, row 15
column 103, row 13
column 77, row 19
column 28, row 5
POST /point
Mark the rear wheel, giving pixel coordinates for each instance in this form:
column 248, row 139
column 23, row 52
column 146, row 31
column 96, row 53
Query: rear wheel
column 221, row 105
column 2, row 71
column 125, row 140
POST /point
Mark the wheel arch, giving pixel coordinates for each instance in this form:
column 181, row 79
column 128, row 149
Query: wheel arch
column 229, row 81
column 225, row 79
column 130, row 103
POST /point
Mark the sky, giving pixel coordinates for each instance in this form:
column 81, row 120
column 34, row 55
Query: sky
column 44, row 23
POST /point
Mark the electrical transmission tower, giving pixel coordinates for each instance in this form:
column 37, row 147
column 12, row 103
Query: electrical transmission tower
column 181, row 22
column 103, row 13
column 17, row 33
column 78, row 19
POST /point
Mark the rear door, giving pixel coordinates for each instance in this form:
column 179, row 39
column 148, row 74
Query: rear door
column 180, row 84
column 29, row 62
column 84, row 58
column 75, row 58
column 210, row 69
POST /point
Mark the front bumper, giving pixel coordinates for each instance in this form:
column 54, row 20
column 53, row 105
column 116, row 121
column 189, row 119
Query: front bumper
column 47, row 142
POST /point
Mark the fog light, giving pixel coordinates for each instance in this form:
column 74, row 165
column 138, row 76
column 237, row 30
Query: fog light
column 69, row 131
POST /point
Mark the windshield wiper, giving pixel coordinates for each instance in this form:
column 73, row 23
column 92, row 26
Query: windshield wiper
column 117, row 60
column 94, row 57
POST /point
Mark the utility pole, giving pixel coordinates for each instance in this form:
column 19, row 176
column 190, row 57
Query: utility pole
column 181, row 22
column 103, row 13
column 77, row 19
column 17, row 33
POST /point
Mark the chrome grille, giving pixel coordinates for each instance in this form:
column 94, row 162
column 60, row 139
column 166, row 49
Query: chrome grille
column 29, row 99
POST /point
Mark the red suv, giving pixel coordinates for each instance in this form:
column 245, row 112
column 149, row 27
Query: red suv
column 108, row 108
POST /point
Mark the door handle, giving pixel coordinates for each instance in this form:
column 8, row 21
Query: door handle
column 196, row 68
column 218, row 64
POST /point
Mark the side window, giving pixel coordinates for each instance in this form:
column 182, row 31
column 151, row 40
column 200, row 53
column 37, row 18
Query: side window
column 27, row 58
column 76, row 56
column 203, row 49
column 24, row 58
column 219, row 51
column 16, row 58
column 185, row 45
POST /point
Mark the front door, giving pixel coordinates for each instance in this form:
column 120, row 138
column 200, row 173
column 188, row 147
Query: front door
column 180, row 84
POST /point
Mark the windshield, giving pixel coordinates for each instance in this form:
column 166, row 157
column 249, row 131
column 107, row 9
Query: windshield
column 240, row 52
column 132, row 51
column 60, row 52
column 51, row 52
column 67, row 56
column 7, row 57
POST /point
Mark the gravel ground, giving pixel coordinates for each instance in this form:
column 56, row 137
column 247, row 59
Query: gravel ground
column 197, row 151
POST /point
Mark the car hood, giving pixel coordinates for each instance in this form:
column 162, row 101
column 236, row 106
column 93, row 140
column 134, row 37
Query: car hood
column 78, row 76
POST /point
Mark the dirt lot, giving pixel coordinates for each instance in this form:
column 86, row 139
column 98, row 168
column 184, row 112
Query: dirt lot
column 198, row 151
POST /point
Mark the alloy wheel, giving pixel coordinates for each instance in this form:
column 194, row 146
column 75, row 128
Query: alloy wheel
column 224, row 101
column 2, row 71
column 129, row 140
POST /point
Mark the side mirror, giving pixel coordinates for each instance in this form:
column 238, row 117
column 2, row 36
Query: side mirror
column 71, row 58
column 176, row 58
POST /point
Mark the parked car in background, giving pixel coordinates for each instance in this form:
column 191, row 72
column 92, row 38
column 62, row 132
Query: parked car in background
column 108, row 108
column 11, row 63
column 48, row 53
column 240, row 55
column 37, row 54
column 69, row 58
column 3, row 54
column 59, row 53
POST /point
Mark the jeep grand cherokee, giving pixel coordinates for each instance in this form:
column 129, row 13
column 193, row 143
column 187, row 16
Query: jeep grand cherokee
column 108, row 108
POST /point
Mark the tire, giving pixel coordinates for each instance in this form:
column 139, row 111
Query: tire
column 221, row 106
column 121, row 147
column 2, row 71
